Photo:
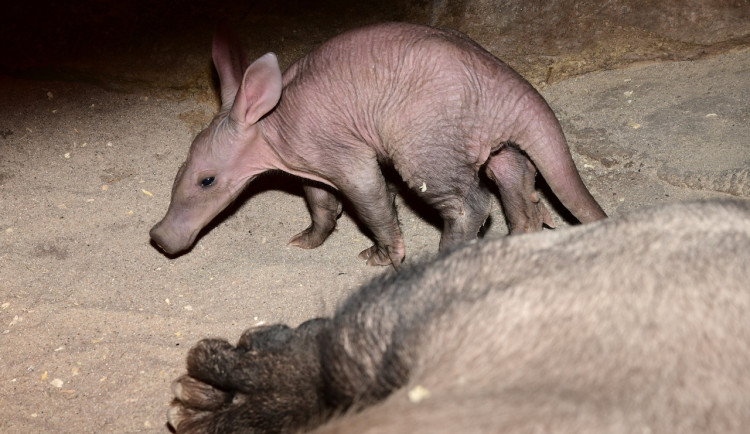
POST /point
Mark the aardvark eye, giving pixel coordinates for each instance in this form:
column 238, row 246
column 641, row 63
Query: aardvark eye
column 207, row 181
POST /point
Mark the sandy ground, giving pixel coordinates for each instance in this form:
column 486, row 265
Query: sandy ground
column 95, row 322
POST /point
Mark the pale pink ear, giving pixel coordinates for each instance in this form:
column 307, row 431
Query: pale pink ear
column 230, row 62
column 259, row 92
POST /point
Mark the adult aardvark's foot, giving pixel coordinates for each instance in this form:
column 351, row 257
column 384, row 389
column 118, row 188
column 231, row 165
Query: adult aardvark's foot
column 269, row 382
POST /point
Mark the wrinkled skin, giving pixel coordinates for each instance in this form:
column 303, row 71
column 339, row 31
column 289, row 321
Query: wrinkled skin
column 430, row 103
column 635, row 324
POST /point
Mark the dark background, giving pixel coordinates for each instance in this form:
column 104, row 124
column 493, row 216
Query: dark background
column 166, row 43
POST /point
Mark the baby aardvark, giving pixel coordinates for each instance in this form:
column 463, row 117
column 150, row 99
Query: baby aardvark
column 431, row 103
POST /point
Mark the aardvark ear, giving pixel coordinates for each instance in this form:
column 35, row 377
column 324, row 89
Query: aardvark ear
column 259, row 92
column 230, row 61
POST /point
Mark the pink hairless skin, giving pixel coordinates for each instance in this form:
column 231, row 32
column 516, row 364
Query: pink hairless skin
column 431, row 103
